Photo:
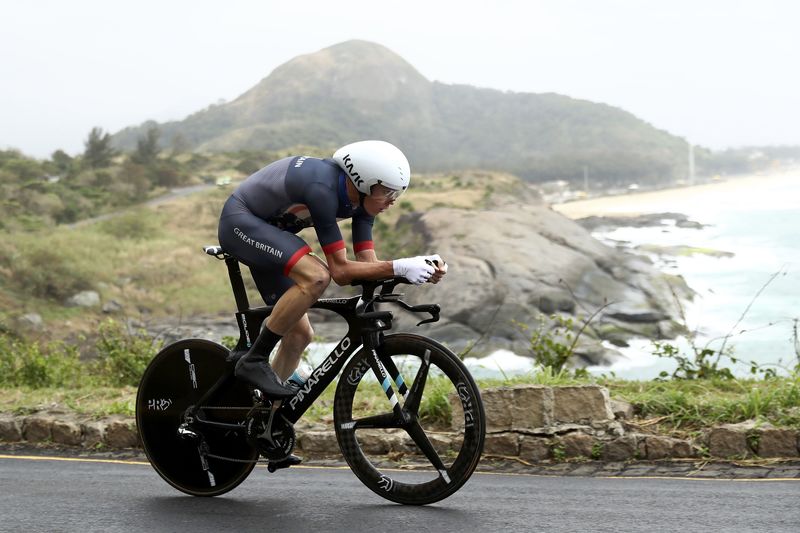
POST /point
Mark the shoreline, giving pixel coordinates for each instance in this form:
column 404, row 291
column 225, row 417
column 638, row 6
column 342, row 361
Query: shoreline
column 750, row 216
column 677, row 198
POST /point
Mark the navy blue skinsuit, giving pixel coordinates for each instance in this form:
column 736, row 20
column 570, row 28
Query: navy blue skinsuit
column 259, row 222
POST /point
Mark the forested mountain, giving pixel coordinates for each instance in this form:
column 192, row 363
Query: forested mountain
column 359, row 90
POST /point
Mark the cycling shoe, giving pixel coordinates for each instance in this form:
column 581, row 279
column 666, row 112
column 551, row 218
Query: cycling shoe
column 291, row 460
column 255, row 370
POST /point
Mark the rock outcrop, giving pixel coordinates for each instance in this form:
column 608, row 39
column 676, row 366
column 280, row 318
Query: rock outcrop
column 516, row 264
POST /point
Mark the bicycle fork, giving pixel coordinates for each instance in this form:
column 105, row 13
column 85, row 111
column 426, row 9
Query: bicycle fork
column 387, row 372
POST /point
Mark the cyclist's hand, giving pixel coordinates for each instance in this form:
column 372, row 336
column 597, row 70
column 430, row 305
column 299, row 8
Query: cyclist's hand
column 417, row 270
column 441, row 268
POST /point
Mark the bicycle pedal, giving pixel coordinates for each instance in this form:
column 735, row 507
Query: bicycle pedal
column 292, row 460
column 258, row 396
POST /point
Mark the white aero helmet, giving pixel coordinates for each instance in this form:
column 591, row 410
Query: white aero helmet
column 374, row 162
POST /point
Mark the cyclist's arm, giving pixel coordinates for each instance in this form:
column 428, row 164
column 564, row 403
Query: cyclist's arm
column 322, row 205
column 365, row 250
column 344, row 271
column 362, row 237
column 367, row 256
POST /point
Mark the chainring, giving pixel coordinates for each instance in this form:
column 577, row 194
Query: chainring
column 282, row 434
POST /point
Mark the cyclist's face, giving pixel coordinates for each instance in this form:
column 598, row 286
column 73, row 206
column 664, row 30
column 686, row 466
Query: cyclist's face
column 380, row 199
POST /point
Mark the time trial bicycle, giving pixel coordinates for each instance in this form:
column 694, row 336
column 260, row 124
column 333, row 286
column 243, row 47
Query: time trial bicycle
column 204, row 431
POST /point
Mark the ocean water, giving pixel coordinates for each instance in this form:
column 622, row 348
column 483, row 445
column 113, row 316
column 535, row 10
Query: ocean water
column 753, row 296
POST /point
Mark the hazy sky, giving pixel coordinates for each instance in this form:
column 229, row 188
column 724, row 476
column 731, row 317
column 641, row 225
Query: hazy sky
column 719, row 73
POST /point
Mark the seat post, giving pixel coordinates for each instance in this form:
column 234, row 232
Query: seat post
column 237, row 284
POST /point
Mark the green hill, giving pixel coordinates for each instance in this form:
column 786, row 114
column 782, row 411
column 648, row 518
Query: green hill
column 358, row 90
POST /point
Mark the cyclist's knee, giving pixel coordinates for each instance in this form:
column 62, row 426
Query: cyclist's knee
column 318, row 282
column 311, row 276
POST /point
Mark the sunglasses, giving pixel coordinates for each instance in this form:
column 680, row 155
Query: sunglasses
column 385, row 193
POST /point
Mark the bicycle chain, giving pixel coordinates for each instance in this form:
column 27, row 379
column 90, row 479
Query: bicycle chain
column 232, row 460
column 230, row 408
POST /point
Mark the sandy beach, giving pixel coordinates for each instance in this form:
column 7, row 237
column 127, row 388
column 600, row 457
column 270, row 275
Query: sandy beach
column 741, row 189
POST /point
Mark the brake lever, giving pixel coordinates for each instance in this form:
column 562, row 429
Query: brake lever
column 433, row 309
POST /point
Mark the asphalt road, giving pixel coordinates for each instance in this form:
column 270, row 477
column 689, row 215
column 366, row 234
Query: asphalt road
column 57, row 494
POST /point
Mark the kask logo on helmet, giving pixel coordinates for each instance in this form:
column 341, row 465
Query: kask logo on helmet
column 348, row 165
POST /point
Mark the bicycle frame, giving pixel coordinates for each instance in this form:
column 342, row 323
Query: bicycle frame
column 293, row 408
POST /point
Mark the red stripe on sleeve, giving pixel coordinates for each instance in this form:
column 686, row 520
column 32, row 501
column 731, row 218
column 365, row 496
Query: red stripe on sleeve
column 333, row 247
column 295, row 258
column 363, row 245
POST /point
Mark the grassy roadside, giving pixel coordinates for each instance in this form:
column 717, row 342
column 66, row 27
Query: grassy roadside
column 37, row 376
column 89, row 401
column 680, row 408
column 685, row 407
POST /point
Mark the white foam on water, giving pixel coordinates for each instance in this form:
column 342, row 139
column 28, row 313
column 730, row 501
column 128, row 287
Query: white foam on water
column 637, row 362
column 498, row 364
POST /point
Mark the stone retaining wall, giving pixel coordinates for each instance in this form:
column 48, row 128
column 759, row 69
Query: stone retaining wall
column 569, row 422
column 532, row 423
column 61, row 428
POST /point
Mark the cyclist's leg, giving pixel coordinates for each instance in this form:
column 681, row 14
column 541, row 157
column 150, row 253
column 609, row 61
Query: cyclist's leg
column 311, row 278
column 291, row 348
column 271, row 253
column 307, row 280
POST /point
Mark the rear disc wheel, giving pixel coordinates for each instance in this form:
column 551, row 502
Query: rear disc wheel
column 176, row 379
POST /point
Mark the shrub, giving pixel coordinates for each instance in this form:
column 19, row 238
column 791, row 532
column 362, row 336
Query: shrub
column 553, row 346
column 135, row 225
column 32, row 365
column 558, row 452
column 435, row 406
column 122, row 355
column 49, row 271
column 597, row 450
column 248, row 165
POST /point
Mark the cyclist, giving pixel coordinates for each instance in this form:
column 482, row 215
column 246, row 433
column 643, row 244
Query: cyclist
column 258, row 226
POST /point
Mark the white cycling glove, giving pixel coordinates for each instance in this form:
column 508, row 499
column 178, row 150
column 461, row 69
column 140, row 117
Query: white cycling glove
column 414, row 269
column 437, row 262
